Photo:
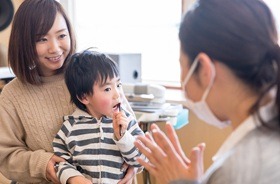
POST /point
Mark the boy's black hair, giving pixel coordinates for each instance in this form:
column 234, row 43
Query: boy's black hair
column 84, row 70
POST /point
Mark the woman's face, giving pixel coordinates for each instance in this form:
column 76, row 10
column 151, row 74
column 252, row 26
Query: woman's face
column 54, row 47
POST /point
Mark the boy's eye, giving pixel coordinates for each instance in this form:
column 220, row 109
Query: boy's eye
column 108, row 89
column 119, row 85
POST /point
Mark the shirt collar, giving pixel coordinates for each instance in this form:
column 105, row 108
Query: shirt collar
column 267, row 113
column 78, row 114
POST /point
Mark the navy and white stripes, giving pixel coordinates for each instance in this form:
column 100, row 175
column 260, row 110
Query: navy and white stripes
column 90, row 148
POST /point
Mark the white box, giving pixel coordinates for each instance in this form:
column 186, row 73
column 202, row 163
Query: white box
column 129, row 66
column 6, row 72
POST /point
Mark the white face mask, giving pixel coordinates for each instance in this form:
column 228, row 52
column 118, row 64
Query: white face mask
column 200, row 108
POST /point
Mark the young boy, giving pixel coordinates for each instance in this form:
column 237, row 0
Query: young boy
column 99, row 136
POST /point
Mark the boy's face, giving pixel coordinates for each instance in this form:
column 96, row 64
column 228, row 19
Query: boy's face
column 105, row 99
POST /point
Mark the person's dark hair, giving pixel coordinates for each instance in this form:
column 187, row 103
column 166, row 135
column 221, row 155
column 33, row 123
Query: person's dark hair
column 239, row 33
column 33, row 19
column 86, row 69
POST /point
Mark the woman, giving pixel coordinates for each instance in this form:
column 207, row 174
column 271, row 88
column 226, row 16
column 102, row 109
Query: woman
column 230, row 63
column 33, row 104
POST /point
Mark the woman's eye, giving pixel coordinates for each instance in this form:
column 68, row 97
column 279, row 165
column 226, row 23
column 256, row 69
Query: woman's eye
column 42, row 40
column 62, row 36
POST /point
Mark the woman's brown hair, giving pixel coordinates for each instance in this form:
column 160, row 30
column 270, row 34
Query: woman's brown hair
column 33, row 18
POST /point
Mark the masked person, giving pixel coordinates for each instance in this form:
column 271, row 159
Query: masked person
column 230, row 60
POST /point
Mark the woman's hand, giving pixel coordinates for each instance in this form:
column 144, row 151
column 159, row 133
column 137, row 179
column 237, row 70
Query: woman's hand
column 167, row 161
column 129, row 176
column 51, row 172
column 78, row 180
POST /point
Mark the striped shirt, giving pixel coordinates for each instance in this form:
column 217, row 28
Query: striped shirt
column 90, row 148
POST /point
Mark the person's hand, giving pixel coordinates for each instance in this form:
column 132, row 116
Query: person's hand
column 174, row 140
column 129, row 176
column 51, row 172
column 167, row 162
column 78, row 180
column 120, row 123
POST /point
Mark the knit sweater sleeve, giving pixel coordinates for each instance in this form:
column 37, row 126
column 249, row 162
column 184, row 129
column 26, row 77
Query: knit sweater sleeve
column 18, row 162
column 30, row 116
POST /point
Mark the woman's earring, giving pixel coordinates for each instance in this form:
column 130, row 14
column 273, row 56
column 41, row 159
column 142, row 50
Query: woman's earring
column 33, row 66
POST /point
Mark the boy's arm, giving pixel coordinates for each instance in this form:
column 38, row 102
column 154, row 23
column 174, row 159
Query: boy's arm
column 65, row 170
column 126, row 143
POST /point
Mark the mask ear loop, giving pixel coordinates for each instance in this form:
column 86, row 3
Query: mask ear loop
column 211, row 82
column 190, row 72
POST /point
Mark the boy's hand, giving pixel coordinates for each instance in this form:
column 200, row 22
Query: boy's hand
column 129, row 176
column 120, row 123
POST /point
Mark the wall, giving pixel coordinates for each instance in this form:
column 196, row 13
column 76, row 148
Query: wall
column 5, row 35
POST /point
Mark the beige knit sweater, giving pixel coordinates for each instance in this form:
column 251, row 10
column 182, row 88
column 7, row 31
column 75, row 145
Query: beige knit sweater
column 30, row 117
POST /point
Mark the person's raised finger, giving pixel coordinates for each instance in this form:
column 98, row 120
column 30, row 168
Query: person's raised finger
column 163, row 142
column 175, row 141
column 143, row 144
column 149, row 136
column 196, row 164
column 148, row 165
